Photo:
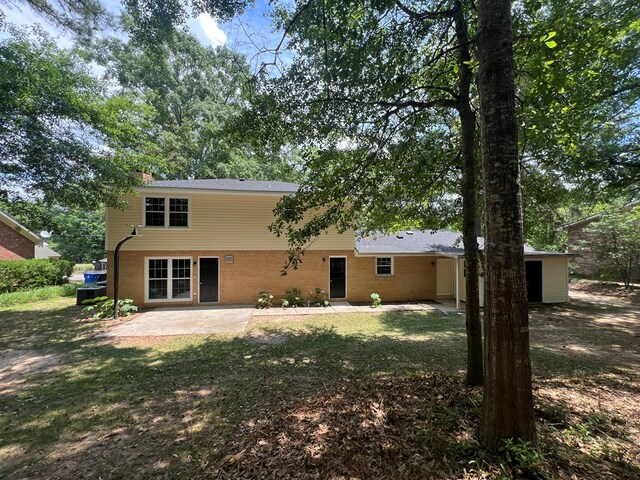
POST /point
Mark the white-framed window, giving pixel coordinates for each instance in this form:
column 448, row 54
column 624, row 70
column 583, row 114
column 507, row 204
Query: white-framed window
column 166, row 212
column 168, row 279
column 384, row 266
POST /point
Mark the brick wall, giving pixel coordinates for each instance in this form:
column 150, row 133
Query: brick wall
column 13, row 245
column 583, row 264
column 252, row 271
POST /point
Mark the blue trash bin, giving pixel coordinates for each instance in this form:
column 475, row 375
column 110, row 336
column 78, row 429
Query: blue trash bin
column 90, row 277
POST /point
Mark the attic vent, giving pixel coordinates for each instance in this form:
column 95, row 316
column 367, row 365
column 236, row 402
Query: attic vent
column 241, row 179
column 409, row 232
column 399, row 236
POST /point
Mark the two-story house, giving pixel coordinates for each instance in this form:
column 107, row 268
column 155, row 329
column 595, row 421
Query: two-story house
column 207, row 242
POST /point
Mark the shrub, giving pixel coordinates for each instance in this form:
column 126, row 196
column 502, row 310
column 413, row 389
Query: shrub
column 265, row 300
column 38, row 294
column 376, row 301
column 102, row 307
column 28, row 274
column 524, row 458
column 320, row 298
column 293, row 298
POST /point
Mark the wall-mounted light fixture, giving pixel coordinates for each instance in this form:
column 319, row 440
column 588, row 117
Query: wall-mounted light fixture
column 324, row 260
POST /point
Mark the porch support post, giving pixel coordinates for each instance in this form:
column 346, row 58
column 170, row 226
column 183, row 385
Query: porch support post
column 457, row 260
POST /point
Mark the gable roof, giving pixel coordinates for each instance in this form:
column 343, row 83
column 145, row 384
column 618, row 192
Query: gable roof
column 413, row 242
column 21, row 229
column 227, row 184
column 45, row 251
column 592, row 218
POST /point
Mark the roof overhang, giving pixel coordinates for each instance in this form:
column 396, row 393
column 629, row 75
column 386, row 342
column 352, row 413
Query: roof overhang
column 21, row 229
column 398, row 254
column 188, row 191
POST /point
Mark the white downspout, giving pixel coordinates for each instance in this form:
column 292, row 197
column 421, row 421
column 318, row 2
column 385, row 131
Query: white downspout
column 457, row 260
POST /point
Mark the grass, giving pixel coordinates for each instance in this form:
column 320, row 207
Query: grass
column 376, row 395
column 37, row 294
column 82, row 267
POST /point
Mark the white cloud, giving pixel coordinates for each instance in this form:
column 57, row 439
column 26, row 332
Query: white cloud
column 211, row 30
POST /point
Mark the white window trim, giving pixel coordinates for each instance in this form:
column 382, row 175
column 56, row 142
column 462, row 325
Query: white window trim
column 375, row 266
column 169, row 281
column 167, row 199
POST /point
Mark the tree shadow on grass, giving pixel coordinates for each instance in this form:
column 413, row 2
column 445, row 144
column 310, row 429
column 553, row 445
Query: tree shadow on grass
column 139, row 410
column 320, row 404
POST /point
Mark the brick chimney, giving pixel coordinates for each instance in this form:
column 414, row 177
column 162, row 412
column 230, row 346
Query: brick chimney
column 145, row 177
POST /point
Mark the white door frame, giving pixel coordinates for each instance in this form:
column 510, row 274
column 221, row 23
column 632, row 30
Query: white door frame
column 346, row 264
column 208, row 256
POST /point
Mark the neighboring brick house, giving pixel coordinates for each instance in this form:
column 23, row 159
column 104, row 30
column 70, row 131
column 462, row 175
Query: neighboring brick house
column 208, row 242
column 16, row 241
column 583, row 262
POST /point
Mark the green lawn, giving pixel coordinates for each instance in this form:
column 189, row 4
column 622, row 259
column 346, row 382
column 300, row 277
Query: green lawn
column 350, row 396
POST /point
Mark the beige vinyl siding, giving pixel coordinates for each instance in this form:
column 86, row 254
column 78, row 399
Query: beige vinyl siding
column 445, row 277
column 554, row 279
column 218, row 221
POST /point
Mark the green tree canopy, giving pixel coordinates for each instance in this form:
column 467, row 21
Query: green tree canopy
column 195, row 92
column 63, row 138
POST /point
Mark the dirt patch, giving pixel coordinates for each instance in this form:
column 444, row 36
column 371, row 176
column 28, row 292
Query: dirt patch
column 17, row 365
column 138, row 341
column 265, row 338
column 618, row 291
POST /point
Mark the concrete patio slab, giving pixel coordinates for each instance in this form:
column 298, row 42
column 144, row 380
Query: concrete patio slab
column 234, row 319
column 184, row 321
column 346, row 307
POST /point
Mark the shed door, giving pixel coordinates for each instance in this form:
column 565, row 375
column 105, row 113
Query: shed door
column 533, row 269
column 337, row 277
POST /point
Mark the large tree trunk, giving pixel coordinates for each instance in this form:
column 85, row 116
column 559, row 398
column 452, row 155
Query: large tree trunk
column 469, row 207
column 508, row 399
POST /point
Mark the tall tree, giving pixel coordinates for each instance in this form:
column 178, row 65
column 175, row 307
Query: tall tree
column 578, row 82
column 62, row 138
column 367, row 91
column 83, row 18
column 507, row 406
column 195, row 92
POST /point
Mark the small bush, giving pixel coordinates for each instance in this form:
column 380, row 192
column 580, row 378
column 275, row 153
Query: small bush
column 319, row 298
column 293, row 298
column 376, row 301
column 102, row 307
column 265, row 300
column 38, row 294
column 524, row 459
column 18, row 275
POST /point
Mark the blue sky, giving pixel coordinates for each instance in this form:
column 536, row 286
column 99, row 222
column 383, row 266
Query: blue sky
column 246, row 34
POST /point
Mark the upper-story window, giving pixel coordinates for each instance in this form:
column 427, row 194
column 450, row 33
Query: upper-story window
column 166, row 212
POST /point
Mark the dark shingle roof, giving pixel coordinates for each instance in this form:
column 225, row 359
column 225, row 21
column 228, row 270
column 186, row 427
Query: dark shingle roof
column 228, row 184
column 419, row 241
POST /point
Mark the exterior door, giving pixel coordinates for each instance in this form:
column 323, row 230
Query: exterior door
column 208, row 280
column 533, row 269
column 337, row 277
